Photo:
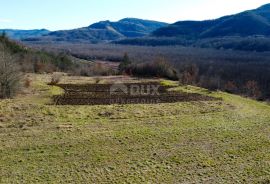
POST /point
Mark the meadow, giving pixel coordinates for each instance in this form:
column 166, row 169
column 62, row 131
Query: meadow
column 220, row 141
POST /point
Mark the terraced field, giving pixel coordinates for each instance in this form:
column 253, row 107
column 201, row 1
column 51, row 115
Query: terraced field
column 218, row 141
column 143, row 93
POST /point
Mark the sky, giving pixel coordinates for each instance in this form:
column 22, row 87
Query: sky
column 70, row 14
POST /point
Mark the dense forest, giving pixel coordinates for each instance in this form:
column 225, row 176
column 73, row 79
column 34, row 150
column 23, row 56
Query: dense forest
column 239, row 72
column 251, row 43
column 246, row 31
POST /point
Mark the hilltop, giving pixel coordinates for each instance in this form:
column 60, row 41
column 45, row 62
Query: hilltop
column 130, row 27
column 248, row 23
column 102, row 31
column 248, row 30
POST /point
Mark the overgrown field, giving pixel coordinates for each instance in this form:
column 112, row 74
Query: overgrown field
column 186, row 142
column 142, row 93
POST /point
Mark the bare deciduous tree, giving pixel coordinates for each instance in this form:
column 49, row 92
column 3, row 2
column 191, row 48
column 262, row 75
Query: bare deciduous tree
column 10, row 76
column 253, row 89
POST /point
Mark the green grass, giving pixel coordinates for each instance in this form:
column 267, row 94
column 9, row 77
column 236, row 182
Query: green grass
column 191, row 142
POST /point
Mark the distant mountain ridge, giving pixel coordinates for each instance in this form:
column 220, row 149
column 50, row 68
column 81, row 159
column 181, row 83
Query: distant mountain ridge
column 130, row 27
column 103, row 31
column 248, row 30
column 24, row 34
column 248, row 23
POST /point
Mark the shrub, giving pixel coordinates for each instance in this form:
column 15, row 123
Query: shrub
column 231, row 87
column 159, row 68
column 252, row 89
column 63, row 62
column 27, row 82
column 10, row 76
column 56, row 78
column 190, row 75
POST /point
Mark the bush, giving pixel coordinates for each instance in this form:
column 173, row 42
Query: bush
column 27, row 82
column 158, row 68
column 56, row 78
column 189, row 75
column 252, row 89
column 231, row 87
column 10, row 76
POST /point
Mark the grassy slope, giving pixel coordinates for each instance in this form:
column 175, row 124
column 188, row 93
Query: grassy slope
column 201, row 142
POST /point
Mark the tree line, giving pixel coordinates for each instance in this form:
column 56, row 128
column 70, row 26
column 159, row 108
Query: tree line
column 239, row 79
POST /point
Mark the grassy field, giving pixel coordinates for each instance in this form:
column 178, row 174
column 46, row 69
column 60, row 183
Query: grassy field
column 190, row 142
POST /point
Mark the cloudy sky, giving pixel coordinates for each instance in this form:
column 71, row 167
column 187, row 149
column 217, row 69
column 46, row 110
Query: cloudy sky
column 68, row 14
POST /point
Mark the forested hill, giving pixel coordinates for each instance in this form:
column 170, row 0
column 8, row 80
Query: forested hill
column 32, row 60
column 248, row 23
column 248, row 30
column 102, row 31
column 23, row 34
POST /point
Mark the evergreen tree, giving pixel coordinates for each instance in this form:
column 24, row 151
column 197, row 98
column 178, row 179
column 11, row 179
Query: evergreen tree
column 125, row 63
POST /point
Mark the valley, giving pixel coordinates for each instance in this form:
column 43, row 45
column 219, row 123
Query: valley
column 180, row 94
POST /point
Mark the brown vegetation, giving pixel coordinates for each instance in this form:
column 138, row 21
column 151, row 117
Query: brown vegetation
column 214, row 68
column 10, row 76
column 56, row 78
column 159, row 68
column 100, row 94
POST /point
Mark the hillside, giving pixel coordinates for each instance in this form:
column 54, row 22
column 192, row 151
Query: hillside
column 23, row 34
column 103, row 31
column 248, row 23
column 34, row 60
column 248, row 31
column 187, row 142
column 216, row 67
column 130, row 27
